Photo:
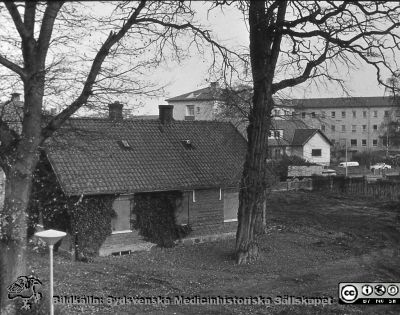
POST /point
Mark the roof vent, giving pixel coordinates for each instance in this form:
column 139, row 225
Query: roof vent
column 187, row 144
column 124, row 144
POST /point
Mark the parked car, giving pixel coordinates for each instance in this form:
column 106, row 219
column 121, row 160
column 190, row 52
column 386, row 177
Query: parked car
column 344, row 164
column 380, row 166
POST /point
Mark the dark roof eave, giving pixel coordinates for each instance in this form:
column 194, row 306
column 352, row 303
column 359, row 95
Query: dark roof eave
column 131, row 192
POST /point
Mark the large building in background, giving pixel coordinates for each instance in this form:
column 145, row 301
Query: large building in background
column 203, row 104
column 358, row 121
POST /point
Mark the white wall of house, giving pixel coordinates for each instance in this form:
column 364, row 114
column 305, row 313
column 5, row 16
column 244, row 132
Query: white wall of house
column 203, row 110
column 311, row 150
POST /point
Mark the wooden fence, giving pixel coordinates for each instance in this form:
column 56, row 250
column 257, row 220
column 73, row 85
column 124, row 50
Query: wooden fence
column 381, row 189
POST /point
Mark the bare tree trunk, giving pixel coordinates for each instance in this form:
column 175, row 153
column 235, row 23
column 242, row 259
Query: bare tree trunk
column 13, row 238
column 252, row 187
column 13, row 217
column 264, row 52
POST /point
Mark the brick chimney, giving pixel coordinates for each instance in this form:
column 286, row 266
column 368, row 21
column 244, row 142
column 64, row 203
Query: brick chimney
column 15, row 97
column 115, row 111
column 165, row 113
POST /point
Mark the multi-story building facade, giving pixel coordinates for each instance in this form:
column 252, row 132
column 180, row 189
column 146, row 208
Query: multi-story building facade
column 203, row 104
column 357, row 121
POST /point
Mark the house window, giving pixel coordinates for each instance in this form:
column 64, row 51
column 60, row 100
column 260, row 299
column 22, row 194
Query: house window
column 333, row 114
column 343, row 128
column 189, row 110
column 364, row 142
column 303, row 115
column 386, row 113
column 198, row 110
column 333, row 128
column 375, row 113
column 121, row 221
column 374, row 142
column 316, row 152
column 323, row 114
column 375, row 127
column 343, row 114
column 323, row 127
column 364, row 114
column 353, row 142
column 231, row 205
column 353, row 128
column 354, row 114
column 364, row 127
column 275, row 134
column 313, row 114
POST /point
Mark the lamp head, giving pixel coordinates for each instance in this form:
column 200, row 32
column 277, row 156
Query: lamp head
column 50, row 236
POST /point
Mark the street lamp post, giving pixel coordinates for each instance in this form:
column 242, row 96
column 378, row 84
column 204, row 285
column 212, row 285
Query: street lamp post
column 51, row 237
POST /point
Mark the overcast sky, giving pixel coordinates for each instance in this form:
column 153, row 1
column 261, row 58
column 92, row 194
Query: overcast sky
column 230, row 28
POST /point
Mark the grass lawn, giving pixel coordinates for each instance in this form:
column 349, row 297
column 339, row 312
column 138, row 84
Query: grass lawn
column 313, row 242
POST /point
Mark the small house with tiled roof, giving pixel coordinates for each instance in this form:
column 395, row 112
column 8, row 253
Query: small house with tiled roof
column 123, row 157
column 293, row 137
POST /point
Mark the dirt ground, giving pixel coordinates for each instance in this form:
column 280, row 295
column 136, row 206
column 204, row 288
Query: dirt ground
column 312, row 243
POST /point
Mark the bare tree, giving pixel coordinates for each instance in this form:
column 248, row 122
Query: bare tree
column 43, row 51
column 292, row 42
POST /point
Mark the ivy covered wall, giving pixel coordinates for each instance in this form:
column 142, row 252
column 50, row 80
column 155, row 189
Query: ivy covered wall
column 155, row 217
column 86, row 218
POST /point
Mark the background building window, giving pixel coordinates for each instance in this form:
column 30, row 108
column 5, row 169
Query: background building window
column 364, row 127
column 333, row 114
column 343, row 114
column 364, row 142
column 364, row 114
column 353, row 128
column 303, row 115
column 386, row 113
column 375, row 127
column 374, row 142
column 323, row 114
column 313, row 114
column 323, row 127
column 316, row 152
column 353, row 142
column 198, row 110
column 354, row 114
column 333, row 128
column 375, row 113
column 189, row 110
column 343, row 128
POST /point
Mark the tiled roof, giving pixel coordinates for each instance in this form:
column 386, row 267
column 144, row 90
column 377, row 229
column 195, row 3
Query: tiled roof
column 301, row 136
column 88, row 157
column 340, row 102
column 206, row 94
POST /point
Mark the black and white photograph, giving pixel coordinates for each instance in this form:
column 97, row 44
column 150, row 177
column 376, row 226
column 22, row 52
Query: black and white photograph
column 199, row 157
